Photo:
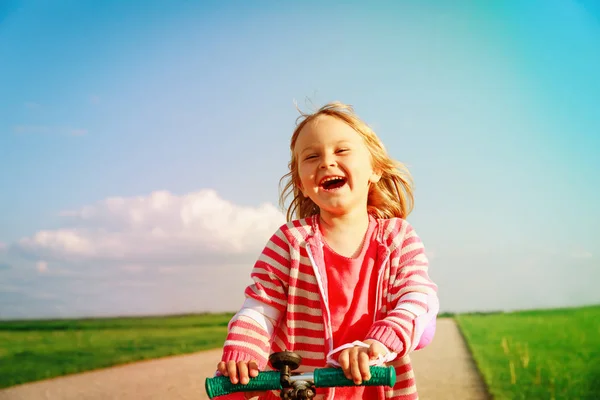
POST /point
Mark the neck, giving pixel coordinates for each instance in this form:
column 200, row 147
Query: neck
column 357, row 220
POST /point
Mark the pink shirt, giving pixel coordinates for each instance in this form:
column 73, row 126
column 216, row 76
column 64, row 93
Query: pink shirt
column 352, row 294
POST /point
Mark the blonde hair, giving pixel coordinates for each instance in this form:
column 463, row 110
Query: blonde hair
column 391, row 197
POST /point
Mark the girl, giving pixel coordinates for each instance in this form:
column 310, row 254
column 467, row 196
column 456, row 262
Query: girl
column 345, row 282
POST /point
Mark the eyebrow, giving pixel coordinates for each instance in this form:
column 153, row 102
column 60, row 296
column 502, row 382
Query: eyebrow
column 311, row 147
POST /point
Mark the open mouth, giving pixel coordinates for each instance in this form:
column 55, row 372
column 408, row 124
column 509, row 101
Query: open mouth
column 333, row 182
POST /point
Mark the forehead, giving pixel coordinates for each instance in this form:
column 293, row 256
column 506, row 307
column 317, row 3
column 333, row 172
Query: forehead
column 326, row 129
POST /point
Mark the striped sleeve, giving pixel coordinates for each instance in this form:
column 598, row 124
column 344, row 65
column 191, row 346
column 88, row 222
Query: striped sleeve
column 250, row 330
column 414, row 301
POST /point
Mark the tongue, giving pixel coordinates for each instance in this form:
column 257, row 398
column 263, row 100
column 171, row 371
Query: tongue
column 334, row 184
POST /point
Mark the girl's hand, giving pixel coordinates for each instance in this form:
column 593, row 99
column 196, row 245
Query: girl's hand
column 355, row 360
column 240, row 372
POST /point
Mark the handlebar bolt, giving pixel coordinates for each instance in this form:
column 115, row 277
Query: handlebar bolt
column 285, row 362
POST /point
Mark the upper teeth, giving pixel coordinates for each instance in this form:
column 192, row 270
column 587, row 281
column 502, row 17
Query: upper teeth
column 332, row 178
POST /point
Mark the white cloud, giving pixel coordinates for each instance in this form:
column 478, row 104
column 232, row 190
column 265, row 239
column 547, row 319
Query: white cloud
column 581, row 254
column 168, row 270
column 43, row 295
column 42, row 266
column 133, row 268
column 135, row 284
column 162, row 227
column 10, row 288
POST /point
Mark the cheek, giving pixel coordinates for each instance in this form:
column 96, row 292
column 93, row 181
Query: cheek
column 303, row 179
column 365, row 165
column 304, row 173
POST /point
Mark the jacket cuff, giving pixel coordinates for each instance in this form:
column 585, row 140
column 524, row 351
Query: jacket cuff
column 387, row 337
column 237, row 355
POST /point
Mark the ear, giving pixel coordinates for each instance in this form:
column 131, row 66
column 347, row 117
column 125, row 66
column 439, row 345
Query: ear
column 375, row 177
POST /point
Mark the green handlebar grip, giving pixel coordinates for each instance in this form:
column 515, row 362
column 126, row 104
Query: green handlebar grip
column 323, row 377
column 221, row 385
column 334, row 377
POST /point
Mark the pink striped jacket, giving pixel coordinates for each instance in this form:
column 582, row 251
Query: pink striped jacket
column 286, row 307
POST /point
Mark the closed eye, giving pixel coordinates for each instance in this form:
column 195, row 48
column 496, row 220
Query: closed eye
column 342, row 150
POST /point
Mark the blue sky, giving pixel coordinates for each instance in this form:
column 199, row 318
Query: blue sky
column 141, row 144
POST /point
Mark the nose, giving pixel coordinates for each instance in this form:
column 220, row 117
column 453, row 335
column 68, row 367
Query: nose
column 328, row 161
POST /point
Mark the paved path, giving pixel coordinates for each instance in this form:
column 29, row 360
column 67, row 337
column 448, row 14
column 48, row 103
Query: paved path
column 444, row 371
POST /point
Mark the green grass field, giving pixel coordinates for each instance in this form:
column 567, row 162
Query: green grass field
column 34, row 350
column 552, row 354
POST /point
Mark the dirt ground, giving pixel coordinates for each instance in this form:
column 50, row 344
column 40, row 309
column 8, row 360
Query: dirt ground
column 444, row 371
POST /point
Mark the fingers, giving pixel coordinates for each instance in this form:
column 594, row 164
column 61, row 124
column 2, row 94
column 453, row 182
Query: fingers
column 242, row 368
column 238, row 372
column 253, row 369
column 363, row 366
column 222, row 368
column 344, row 361
column 375, row 350
column 355, row 364
column 232, row 372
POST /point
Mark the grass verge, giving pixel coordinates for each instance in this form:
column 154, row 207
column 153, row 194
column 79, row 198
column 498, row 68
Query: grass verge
column 543, row 354
column 34, row 350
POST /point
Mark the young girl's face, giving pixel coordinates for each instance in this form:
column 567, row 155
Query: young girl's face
column 334, row 165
